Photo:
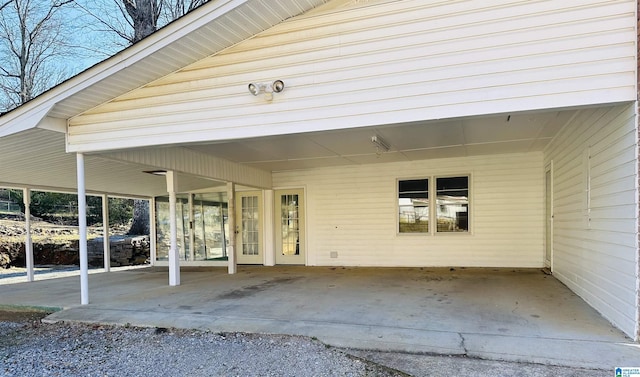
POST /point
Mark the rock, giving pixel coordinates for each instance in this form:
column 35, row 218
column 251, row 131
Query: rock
column 5, row 261
column 124, row 250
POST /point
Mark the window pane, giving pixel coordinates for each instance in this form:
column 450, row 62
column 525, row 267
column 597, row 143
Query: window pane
column 452, row 199
column 413, row 206
column 290, row 224
column 250, row 232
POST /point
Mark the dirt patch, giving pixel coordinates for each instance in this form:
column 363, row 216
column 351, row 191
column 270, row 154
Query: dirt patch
column 22, row 315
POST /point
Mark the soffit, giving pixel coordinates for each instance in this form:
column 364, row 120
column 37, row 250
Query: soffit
column 506, row 133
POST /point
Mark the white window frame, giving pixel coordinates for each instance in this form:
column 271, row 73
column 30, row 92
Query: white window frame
column 432, row 189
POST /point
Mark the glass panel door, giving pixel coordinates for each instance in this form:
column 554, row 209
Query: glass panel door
column 201, row 225
column 289, row 212
column 249, row 227
column 209, row 226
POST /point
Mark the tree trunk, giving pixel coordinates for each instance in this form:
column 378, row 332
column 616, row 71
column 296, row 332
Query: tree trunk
column 140, row 224
column 144, row 14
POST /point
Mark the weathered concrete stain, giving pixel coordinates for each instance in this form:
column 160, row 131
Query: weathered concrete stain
column 254, row 289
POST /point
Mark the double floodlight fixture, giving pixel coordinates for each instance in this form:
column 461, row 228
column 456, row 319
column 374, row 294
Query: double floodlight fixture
column 268, row 89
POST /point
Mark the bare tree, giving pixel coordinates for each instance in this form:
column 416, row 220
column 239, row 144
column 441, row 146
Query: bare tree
column 133, row 20
column 33, row 41
column 174, row 9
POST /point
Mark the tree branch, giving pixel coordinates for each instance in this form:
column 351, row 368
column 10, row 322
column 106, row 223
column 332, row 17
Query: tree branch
column 5, row 4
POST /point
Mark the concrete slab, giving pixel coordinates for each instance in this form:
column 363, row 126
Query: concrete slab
column 499, row 314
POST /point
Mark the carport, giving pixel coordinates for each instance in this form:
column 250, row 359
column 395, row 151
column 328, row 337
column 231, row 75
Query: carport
column 500, row 314
column 538, row 131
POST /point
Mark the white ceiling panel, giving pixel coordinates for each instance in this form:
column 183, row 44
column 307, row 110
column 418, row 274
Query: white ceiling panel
column 424, row 135
column 349, row 142
column 554, row 124
column 504, row 128
column 512, row 133
column 499, row 147
column 443, row 152
column 300, row 164
column 373, row 158
column 289, row 147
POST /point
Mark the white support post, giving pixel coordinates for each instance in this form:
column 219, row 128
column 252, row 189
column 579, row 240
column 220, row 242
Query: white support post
column 268, row 228
column 105, row 230
column 231, row 248
column 28, row 243
column 174, row 260
column 82, row 231
column 153, row 252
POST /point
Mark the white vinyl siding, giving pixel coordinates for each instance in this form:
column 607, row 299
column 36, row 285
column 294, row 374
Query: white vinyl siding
column 595, row 210
column 352, row 210
column 391, row 62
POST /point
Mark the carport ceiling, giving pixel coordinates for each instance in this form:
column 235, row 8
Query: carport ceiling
column 37, row 159
column 508, row 133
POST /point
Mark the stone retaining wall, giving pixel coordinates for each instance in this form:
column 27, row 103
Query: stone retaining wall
column 125, row 251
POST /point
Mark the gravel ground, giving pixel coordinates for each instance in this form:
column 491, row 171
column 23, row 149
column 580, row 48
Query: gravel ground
column 30, row 348
column 34, row 349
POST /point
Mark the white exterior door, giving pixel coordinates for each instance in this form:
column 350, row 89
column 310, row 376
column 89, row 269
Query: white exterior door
column 249, row 227
column 289, row 224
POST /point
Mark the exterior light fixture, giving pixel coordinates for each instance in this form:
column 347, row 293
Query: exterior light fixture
column 255, row 88
column 268, row 89
column 381, row 145
column 156, row 172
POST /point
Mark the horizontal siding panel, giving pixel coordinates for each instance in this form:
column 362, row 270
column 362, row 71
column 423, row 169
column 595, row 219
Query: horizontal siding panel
column 392, row 62
column 627, row 197
column 462, row 90
column 607, row 244
column 595, row 232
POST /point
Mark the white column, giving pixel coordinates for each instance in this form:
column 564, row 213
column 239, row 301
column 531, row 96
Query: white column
column 174, row 260
column 153, row 251
column 268, row 228
column 231, row 248
column 82, row 231
column 105, row 230
column 28, row 243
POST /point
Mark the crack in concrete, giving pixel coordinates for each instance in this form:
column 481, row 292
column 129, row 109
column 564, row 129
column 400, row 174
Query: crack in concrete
column 463, row 344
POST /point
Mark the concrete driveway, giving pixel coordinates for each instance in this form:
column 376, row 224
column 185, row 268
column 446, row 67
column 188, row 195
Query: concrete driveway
column 499, row 314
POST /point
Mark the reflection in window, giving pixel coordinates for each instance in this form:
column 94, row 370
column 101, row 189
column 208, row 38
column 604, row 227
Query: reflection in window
column 452, row 204
column 250, row 225
column 290, row 224
column 209, row 226
column 413, row 206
